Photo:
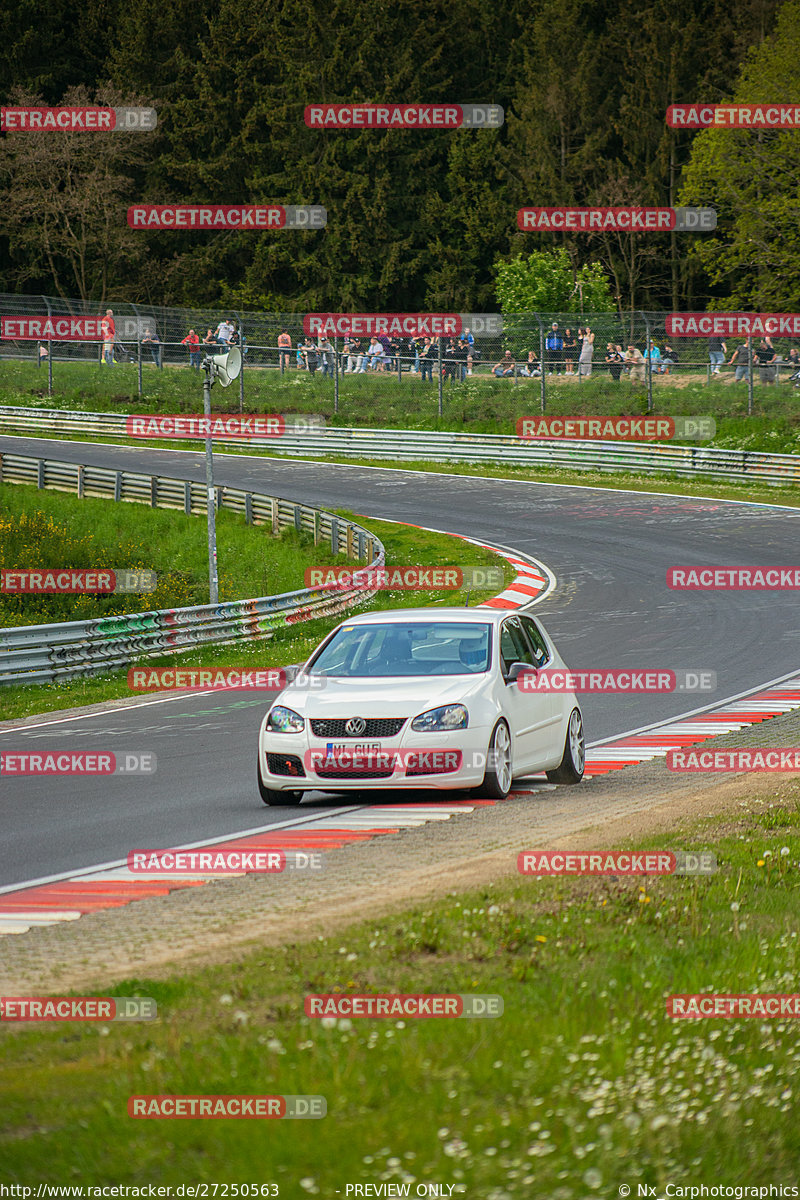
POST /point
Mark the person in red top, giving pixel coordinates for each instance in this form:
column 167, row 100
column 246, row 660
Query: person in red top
column 285, row 345
column 108, row 330
column 192, row 342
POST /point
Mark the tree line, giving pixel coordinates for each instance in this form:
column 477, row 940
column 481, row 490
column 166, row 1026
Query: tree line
column 417, row 220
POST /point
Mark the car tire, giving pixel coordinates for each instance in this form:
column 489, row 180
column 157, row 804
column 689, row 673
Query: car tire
column 270, row 796
column 497, row 779
column 570, row 769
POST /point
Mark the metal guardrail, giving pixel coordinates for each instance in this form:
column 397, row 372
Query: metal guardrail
column 443, row 446
column 73, row 649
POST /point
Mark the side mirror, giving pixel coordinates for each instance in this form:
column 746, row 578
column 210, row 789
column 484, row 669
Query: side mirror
column 519, row 668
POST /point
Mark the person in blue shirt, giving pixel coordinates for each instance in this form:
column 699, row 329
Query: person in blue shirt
column 554, row 345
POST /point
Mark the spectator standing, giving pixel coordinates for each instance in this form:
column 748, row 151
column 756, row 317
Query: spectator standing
column 223, row 332
column 554, row 345
column 326, row 356
column 716, row 353
column 742, row 358
column 765, row 353
column 570, row 346
column 462, row 354
column 587, row 350
column 192, row 344
column 614, row 361
column 426, row 357
column 284, row 349
column 310, row 356
column 109, row 331
column 152, row 342
column 635, row 360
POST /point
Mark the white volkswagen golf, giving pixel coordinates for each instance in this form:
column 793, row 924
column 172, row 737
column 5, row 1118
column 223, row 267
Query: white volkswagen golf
column 418, row 699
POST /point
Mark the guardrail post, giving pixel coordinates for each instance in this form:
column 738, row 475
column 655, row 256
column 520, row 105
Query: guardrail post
column 248, row 508
column 187, row 498
column 298, row 517
column 81, row 485
column 335, row 536
column 275, row 515
column 154, row 491
column 362, row 545
column 40, row 479
column 316, row 526
column 118, row 485
column 349, row 528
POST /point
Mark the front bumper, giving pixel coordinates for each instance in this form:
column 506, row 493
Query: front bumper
column 292, row 762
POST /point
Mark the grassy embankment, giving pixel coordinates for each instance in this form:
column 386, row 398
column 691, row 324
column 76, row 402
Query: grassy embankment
column 583, row 1085
column 61, row 530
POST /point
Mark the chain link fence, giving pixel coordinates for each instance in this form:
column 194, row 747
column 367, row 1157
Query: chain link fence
column 566, row 358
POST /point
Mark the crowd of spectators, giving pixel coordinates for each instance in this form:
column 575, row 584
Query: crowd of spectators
column 565, row 353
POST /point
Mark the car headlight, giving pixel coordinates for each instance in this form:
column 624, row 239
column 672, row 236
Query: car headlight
column 285, row 720
column 449, row 716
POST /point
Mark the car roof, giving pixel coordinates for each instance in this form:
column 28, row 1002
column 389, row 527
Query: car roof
column 408, row 616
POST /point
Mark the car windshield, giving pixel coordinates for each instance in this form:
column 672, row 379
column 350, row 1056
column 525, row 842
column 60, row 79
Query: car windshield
column 394, row 649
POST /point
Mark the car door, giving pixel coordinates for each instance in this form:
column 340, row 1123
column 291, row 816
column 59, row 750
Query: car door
column 530, row 714
column 554, row 702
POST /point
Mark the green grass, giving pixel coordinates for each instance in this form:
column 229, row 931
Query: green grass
column 481, row 404
column 252, row 563
column 582, row 1085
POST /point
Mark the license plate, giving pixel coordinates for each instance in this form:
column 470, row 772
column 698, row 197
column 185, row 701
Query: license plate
column 334, row 749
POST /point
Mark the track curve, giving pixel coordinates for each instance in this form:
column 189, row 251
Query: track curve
column 609, row 550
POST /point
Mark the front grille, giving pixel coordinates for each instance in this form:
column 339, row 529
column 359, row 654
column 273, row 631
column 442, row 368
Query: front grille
column 349, row 773
column 284, row 764
column 377, row 727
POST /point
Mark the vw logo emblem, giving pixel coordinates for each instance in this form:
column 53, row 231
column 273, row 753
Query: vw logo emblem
column 355, row 726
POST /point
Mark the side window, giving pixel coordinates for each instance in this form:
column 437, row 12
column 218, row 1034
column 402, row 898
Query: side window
column 540, row 652
column 514, row 645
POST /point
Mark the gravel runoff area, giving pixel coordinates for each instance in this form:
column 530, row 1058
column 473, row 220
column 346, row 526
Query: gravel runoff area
column 226, row 919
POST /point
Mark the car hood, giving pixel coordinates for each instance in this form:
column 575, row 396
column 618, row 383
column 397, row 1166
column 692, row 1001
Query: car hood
column 365, row 697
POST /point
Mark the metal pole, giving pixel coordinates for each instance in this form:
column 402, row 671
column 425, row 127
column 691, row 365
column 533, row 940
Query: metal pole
column 750, row 377
column 335, row 373
column 649, row 366
column 241, row 373
column 542, row 385
column 211, row 496
column 441, row 394
column 49, row 353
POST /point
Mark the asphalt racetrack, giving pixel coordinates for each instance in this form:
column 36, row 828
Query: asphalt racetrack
column 610, row 552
